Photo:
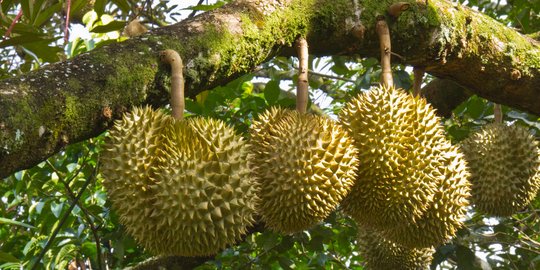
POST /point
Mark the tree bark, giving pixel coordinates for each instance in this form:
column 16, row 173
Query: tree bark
column 67, row 102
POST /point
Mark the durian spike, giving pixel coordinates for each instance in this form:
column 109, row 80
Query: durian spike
column 302, row 87
column 172, row 58
column 497, row 113
column 418, row 76
column 386, row 52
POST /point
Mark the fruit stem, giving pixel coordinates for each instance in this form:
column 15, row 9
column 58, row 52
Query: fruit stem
column 386, row 51
column 418, row 77
column 497, row 113
column 172, row 58
column 302, row 87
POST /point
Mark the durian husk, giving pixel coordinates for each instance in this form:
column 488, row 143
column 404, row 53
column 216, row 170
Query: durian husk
column 505, row 167
column 408, row 168
column 129, row 159
column 382, row 254
column 445, row 215
column 305, row 165
column 193, row 194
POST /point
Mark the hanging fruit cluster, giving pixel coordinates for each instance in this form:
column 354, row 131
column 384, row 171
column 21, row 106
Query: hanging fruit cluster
column 192, row 187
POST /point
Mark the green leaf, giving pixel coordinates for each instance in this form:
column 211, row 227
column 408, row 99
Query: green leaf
column 38, row 7
column 6, row 257
column 112, row 26
column 90, row 18
column 27, row 8
column 14, row 222
column 475, row 107
column 466, row 258
column 267, row 240
column 316, row 244
column 247, row 89
column 402, row 79
column 6, row 4
column 49, row 54
column 272, row 91
column 56, row 208
column 99, row 6
column 123, row 5
column 286, row 102
column 23, row 39
column 194, row 107
column 89, row 249
column 339, row 66
column 46, row 14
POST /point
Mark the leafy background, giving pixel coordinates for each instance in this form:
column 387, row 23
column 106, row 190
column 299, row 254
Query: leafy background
column 34, row 202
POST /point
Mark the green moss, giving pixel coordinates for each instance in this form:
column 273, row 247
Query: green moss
column 74, row 84
column 12, row 140
column 71, row 109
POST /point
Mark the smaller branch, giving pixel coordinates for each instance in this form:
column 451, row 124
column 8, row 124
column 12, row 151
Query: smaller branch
column 395, row 9
column 302, row 87
column 152, row 19
column 172, row 58
column 312, row 73
column 192, row 14
column 66, row 27
column 248, row 264
column 497, row 113
column 17, row 18
column 64, row 218
column 398, row 56
column 385, row 45
column 338, row 261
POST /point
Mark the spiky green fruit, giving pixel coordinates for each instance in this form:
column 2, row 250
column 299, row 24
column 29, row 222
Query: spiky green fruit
column 305, row 165
column 407, row 167
column 505, row 168
column 180, row 187
column 382, row 254
column 128, row 164
column 444, row 216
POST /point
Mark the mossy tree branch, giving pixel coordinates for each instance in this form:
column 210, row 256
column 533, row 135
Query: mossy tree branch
column 63, row 103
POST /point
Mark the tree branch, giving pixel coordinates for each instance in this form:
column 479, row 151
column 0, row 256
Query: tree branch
column 64, row 103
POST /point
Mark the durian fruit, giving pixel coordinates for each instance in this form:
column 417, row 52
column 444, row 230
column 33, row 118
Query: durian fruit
column 305, row 165
column 444, row 216
column 382, row 254
column 407, row 167
column 205, row 194
column 181, row 187
column 129, row 160
column 505, row 168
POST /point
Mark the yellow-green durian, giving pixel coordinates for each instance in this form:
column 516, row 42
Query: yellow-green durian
column 128, row 165
column 192, row 194
column 305, row 165
column 382, row 254
column 405, row 160
column 505, row 168
column 444, row 216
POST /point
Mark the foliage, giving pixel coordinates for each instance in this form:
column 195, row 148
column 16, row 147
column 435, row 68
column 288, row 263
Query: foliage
column 34, row 201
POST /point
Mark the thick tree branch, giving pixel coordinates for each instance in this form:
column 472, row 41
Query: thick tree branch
column 63, row 103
